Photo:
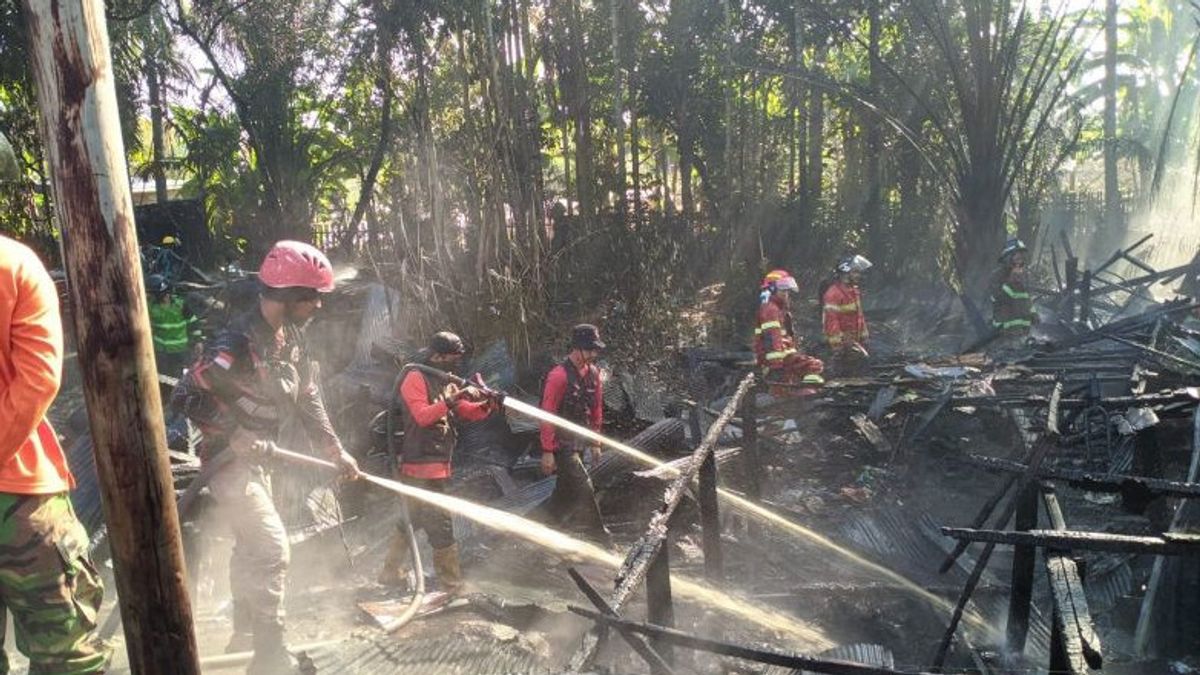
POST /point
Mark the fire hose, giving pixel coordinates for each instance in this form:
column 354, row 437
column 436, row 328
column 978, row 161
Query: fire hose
column 269, row 450
column 406, row 521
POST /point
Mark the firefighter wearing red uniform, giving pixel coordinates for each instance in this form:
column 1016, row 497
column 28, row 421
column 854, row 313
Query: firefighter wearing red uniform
column 842, row 312
column 775, row 344
column 254, row 375
column 573, row 391
column 430, row 409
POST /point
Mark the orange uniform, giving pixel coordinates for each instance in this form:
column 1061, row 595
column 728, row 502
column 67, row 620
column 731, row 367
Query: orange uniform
column 845, row 324
column 31, row 346
column 775, row 347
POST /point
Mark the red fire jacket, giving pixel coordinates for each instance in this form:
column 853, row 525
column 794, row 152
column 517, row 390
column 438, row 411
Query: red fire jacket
column 773, row 340
column 845, row 324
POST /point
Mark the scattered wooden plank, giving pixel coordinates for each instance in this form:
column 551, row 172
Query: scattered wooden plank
column 871, row 432
column 1074, row 539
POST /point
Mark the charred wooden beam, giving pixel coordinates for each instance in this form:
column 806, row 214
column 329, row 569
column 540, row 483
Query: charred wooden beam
column 1133, row 284
column 660, row 606
column 1024, row 564
column 1167, row 544
column 1157, row 586
column 1123, row 253
column 649, row 655
column 1157, row 353
column 1078, row 646
column 710, row 517
column 1124, row 326
column 1033, row 462
column 1036, row 455
column 1093, row 482
column 785, row 660
column 750, row 450
column 644, row 552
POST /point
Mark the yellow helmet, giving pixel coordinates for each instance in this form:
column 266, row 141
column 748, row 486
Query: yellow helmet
column 779, row 280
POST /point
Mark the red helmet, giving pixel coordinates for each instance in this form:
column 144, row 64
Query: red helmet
column 296, row 264
column 780, row 280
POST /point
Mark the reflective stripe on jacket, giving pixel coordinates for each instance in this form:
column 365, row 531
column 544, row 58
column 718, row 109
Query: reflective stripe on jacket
column 170, row 326
column 843, row 315
column 773, row 341
column 1012, row 306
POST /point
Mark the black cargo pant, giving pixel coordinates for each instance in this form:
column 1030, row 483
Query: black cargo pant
column 437, row 522
column 573, row 504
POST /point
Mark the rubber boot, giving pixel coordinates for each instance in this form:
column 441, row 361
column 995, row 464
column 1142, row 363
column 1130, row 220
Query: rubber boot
column 271, row 656
column 395, row 564
column 448, row 569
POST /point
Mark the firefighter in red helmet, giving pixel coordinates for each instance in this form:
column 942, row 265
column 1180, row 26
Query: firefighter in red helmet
column 775, row 344
column 255, row 374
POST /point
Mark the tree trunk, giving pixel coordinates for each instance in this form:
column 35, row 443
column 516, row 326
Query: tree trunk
column 1112, row 190
column 872, row 213
column 579, row 101
column 815, row 168
column 71, row 66
column 157, row 142
column 635, row 153
column 794, row 91
column 618, row 104
column 727, row 184
column 664, row 176
column 383, row 81
column 686, row 200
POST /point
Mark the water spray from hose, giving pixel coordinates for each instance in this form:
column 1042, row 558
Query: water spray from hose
column 732, row 498
column 542, row 535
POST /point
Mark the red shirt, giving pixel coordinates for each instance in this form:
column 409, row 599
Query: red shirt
column 426, row 414
column 552, row 396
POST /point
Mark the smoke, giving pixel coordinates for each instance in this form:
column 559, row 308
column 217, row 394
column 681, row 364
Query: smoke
column 1172, row 221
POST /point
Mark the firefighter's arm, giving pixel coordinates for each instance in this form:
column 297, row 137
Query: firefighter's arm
column 778, row 346
column 316, row 422
column 474, row 411
column 211, row 390
column 36, row 351
column 552, row 396
column 416, row 399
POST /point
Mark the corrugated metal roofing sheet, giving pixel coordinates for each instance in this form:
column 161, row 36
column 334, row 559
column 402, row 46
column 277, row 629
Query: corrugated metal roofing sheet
column 446, row 655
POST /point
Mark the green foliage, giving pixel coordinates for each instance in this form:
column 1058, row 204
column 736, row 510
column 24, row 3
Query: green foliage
column 476, row 153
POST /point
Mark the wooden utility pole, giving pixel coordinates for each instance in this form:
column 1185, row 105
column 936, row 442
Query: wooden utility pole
column 73, row 73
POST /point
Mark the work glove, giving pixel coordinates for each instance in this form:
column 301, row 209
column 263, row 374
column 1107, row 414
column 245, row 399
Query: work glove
column 347, row 465
column 469, row 393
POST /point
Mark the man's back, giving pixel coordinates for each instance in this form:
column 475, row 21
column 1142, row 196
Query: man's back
column 31, row 461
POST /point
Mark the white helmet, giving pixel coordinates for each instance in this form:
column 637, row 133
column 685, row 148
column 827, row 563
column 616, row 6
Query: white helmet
column 855, row 263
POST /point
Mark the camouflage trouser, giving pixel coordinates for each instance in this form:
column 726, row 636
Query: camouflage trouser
column 258, row 568
column 48, row 583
